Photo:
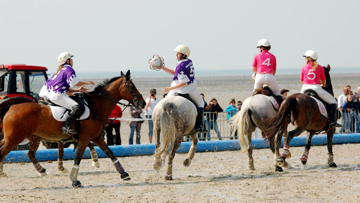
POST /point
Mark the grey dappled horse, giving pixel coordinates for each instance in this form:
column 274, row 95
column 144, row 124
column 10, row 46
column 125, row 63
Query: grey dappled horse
column 174, row 117
column 254, row 111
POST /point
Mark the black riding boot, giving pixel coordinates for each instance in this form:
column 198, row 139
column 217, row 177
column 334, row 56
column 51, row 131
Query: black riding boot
column 199, row 125
column 73, row 115
column 332, row 116
column 280, row 98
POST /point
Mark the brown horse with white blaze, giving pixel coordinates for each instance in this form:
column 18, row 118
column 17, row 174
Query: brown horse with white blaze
column 35, row 122
column 303, row 112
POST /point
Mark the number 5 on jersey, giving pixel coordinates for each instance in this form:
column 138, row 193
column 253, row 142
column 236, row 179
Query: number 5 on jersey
column 266, row 62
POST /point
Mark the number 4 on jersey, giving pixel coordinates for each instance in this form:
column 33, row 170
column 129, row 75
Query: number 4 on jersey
column 266, row 62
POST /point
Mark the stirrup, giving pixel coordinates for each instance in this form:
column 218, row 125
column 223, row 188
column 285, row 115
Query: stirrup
column 68, row 130
column 334, row 124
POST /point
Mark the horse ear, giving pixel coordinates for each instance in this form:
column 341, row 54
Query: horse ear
column 328, row 67
column 121, row 73
column 128, row 75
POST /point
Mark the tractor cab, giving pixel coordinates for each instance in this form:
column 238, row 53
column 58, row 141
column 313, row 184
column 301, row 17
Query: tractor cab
column 20, row 80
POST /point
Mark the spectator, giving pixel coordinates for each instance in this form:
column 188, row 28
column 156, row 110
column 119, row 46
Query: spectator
column 231, row 111
column 135, row 125
column 203, row 137
column 284, row 92
column 239, row 104
column 357, row 93
column 114, row 124
column 348, row 108
column 213, row 108
column 151, row 102
column 341, row 102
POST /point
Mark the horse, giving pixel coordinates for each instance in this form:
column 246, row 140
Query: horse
column 35, row 122
column 254, row 111
column 174, row 117
column 303, row 112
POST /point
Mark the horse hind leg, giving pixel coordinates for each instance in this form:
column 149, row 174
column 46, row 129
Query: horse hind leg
column 305, row 155
column 171, row 159
column 330, row 161
column 94, row 156
column 34, row 145
column 192, row 150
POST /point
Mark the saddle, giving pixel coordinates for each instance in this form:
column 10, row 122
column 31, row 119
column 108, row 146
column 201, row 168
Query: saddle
column 186, row 96
column 314, row 95
column 267, row 92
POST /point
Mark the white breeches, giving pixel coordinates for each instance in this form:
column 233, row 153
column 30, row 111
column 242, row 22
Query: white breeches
column 63, row 100
column 269, row 80
column 193, row 93
column 324, row 95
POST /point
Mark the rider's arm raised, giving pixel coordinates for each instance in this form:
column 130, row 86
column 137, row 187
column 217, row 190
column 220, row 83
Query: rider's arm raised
column 172, row 72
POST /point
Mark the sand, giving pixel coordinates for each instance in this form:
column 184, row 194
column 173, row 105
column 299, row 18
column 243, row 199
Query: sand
column 212, row 176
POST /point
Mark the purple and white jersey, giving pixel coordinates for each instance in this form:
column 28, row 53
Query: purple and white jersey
column 184, row 72
column 60, row 83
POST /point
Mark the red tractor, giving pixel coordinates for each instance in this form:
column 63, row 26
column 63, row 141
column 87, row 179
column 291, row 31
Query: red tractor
column 21, row 83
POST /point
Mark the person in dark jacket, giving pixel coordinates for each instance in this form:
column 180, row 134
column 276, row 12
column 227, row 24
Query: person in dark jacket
column 213, row 108
column 135, row 125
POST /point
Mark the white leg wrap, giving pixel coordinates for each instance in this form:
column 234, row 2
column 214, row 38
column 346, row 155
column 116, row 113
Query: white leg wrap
column 74, row 172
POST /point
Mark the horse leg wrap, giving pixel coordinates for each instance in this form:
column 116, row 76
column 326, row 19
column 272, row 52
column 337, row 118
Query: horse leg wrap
column 74, row 172
column 286, row 153
column 192, row 152
column 94, row 155
column 39, row 168
column 304, row 157
column 118, row 166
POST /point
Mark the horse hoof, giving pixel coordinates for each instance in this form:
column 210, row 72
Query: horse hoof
column 125, row 176
column 303, row 161
column 77, row 184
column 251, row 168
column 96, row 164
column 64, row 171
column 187, row 162
column 278, row 169
column 168, row 177
column 42, row 174
column 332, row 165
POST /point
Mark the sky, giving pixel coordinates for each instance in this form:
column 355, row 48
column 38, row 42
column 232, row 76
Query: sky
column 117, row 35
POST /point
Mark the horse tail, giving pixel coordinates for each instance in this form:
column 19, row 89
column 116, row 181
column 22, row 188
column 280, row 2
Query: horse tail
column 241, row 122
column 273, row 124
column 167, row 130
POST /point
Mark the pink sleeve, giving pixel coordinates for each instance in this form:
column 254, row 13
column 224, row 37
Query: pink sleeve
column 255, row 61
column 274, row 67
column 322, row 74
column 302, row 74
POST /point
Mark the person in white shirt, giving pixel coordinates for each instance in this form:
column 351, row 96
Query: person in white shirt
column 341, row 102
column 151, row 102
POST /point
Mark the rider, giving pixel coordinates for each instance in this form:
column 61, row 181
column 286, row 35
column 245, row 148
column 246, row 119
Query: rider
column 313, row 77
column 184, row 82
column 264, row 66
column 59, row 87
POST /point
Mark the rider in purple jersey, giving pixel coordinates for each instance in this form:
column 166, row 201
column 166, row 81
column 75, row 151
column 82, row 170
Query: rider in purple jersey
column 184, row 82
column 58, row 87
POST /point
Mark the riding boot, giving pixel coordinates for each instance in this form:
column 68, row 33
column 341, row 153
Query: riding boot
column 332, row 116
column 199, row 125
column 73, row 115
column 280, row 98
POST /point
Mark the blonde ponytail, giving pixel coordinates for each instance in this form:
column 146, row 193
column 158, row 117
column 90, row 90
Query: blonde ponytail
column 60, row 67
column 314, row 65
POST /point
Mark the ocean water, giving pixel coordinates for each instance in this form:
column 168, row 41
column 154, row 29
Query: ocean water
column 205, row 73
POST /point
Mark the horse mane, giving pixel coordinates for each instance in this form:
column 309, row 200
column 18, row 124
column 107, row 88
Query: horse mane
column 103, row 84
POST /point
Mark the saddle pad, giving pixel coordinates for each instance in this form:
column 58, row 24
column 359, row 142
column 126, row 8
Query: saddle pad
column 321, row 106
column 58, row 113
column 272, row 100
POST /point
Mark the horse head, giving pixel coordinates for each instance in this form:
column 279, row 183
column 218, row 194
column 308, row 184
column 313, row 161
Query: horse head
column 131, row 94
column 328, row 86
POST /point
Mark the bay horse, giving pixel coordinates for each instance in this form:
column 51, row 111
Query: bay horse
column 35, row 122
column 173, row 117
column 254, row 111
column 303, row 112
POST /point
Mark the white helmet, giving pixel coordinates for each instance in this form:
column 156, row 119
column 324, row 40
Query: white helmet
column 183, row 49
column 63, row 57
column 312, row 54
column 264, row 43
column 156, row 62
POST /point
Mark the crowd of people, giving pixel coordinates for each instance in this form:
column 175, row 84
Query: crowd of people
column 349, row 106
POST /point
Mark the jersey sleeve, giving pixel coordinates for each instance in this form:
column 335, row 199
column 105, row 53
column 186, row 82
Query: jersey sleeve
column 274, row 64
column 322, row 73
column 71, row 77
column 302, row 74
column 255, row 63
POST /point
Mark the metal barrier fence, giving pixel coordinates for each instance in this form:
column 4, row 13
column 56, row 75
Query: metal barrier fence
column 349, row 121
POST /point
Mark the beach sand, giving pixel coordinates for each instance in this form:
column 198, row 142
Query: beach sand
column 212, row 176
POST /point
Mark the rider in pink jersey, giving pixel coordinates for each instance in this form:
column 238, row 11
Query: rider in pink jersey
column 264, row 66
column 313, row 77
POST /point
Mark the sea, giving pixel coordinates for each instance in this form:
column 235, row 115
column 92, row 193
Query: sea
column 204, row 73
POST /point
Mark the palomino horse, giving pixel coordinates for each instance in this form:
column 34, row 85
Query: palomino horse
column 254, row 111
column 303, row 112
column 174, row 117
column 35, row 122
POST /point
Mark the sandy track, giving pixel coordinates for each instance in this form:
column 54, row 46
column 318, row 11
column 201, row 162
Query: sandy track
column 213, row 176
